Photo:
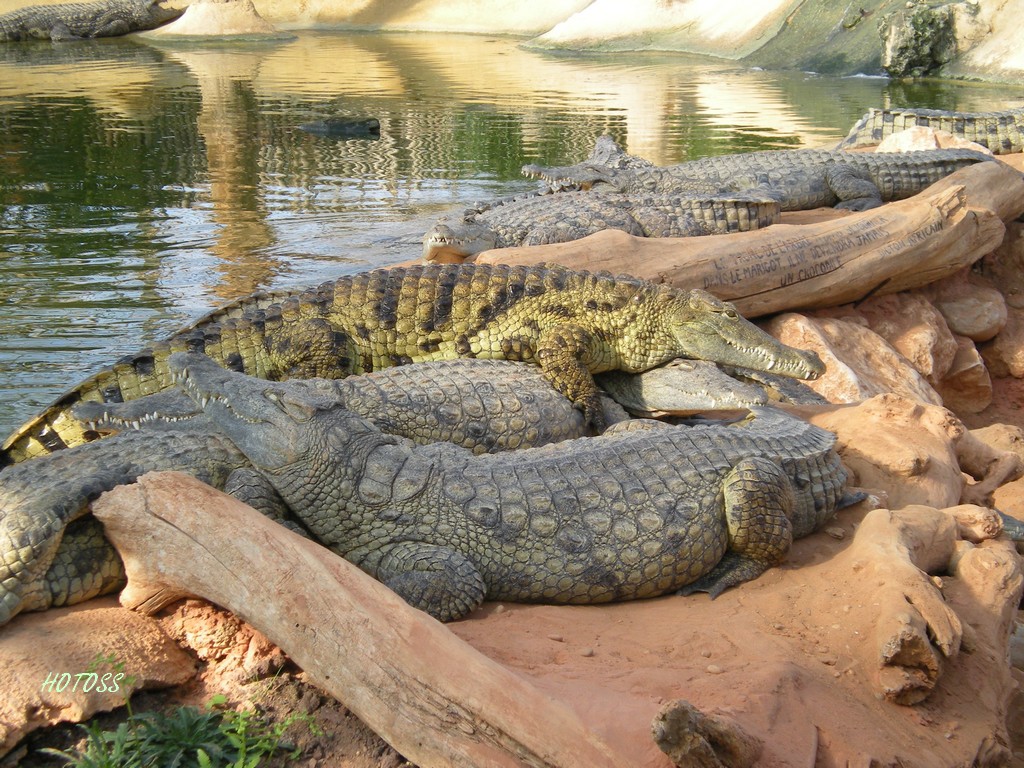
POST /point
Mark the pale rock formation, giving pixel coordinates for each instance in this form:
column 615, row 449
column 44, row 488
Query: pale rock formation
column 914, row 328
column 1005, row 266
column 1004, row 355
column 1002, row 437
column 476, row 16
column 966, row 386
column 859, row 363
column 920, row 137
column 972, row 307
column 219, row 18
column 34, row 648
column 902, row 450
column 727, row 28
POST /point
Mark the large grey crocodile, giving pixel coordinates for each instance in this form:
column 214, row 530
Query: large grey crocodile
column 798, row 178
column 74, row 21
column 571, row 324
column 625, row 515
column 1000, row 132
column 537, row 219
column 53, row 553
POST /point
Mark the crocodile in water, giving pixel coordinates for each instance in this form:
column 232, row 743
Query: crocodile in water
column 53, row 553
column 571, row 324
column 537, row 219
column 1000, row 132
column 74, row 21
column 625, row 515
column 798, row 178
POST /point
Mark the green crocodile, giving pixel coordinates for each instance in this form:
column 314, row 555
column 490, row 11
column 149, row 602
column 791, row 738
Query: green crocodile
column 798, row 178
column 629, row 514
column 53, row 553
column 74, row 21
column 1001, row 133
column 537, row 219
column 571, row 324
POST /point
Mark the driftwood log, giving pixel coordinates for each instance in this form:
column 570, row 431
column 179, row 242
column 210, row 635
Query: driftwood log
column 900, row 245
column 423, row 690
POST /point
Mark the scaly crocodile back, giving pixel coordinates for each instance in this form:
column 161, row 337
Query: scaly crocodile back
column 571, row 324
column 354, row 324
column 1000, row 132
column 103, row 18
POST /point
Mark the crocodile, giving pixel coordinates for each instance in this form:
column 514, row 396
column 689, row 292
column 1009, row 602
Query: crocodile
column 799, row 179
column 999, row 132
column 572, row 324
column 343, row 127
column 679, row 387
column 629, row 514
column 75, row 21
column 537, row 219
column 52, row 552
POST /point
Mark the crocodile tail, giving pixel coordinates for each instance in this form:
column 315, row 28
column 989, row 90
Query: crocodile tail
column 280, row 342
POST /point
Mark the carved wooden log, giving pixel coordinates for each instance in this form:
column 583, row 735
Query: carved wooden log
column 898, row 246
column 427, row 693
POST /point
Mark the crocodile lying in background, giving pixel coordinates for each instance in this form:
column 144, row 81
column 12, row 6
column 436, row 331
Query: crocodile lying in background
column 798, row 178
column 538, row 219
column 53, row 553
column 75, row 21
column 344, row 127
column 625, row 515
column 1001, row 133
column 571, row 324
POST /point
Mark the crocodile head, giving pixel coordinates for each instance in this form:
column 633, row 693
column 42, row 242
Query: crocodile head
column 706, row 328
column 605, row 165
column 268, row 421
column 455, row 239
column 151, row 14
column 566, row 178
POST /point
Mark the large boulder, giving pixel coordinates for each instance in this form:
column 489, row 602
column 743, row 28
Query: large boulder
column 859, row 363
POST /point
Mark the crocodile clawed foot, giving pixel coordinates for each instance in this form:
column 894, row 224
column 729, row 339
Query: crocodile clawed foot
column 732, row 569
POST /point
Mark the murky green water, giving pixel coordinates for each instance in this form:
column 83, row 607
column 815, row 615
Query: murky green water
column 141, row 185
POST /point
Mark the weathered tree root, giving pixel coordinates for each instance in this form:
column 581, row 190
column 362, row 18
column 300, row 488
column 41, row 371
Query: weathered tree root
column 916, row 632
column 692, row 739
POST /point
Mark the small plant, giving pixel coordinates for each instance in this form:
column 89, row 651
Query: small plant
column 185, row 738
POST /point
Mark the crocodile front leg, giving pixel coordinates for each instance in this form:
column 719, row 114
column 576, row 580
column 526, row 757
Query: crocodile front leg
column 566, row 355
column 855, row 192
column 439, row 580
column 757, row 494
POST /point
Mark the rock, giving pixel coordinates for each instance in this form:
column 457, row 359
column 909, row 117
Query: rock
column 967, row 386
column 1005, row 266
column 859, row 363
column 63, row 645
column 220, row 18
column 915, row 329
column 921, row 137
column 1004, row 355
column 971, row 306
column 905, row 449
column 232, row 647
column 1002, row 437
column 693, row 739
column 975, row 524
column 918, row 39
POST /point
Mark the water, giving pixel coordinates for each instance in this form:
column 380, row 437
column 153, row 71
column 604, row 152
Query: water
column 143, row 184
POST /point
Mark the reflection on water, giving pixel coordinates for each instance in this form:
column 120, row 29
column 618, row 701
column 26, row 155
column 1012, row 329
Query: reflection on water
column 142, row 184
